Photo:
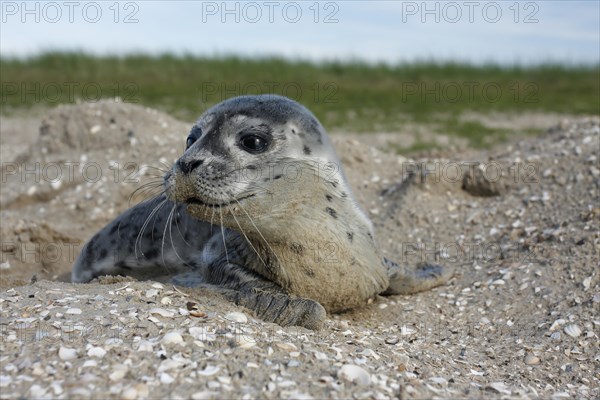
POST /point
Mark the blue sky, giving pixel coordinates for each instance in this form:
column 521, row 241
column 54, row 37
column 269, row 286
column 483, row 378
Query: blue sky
column 391, row 31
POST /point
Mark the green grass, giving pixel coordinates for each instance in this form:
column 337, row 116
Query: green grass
column 353, row 96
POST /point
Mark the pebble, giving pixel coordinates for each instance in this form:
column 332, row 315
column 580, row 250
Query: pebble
column 530, row 359
column 145, row 346
column 172, row 338
column 119, row 373
column 245, row 342
column 392, row 340
column 56, row 184
column 286, row 346
column 86, row 364
column 73, row 311
column 402, row 362
column 96, row 352
column 66, row 353
column 80, row 392
column 499, row 387
column 587, row 282
column 556, row 324
column 5, row 380
column 407, row 330
column 137, row 391
column 573, row 330
column 37, row 392
column 236, row 317
column 209, row 370
column 354, row 374
column 166, row 379
column 162, row 312
column 166, row 301
column 438, row 380
column 205, row 395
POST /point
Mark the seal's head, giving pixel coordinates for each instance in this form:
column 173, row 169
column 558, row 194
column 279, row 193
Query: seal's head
column 253, row 155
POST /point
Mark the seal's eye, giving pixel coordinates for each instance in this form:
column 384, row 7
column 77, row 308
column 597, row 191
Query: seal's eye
column 193, row 136
column 254, row 143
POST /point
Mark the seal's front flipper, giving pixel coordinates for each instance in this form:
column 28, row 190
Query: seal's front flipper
column 280, row 308
column 265, row 298
column 405, row 280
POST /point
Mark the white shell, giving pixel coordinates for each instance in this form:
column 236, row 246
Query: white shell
column 209, row 370
column 172, row 338
column 573, row 330
column 166, row 378
column 353, row 373
column 145, row 346
column 96, row 352
column 162, row 312
column 236, row 317
column 66, row 353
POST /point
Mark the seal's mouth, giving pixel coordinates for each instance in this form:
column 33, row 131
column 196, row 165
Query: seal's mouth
column 197, row 201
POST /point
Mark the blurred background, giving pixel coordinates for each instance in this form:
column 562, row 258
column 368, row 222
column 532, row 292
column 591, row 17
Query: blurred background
column 460, row 68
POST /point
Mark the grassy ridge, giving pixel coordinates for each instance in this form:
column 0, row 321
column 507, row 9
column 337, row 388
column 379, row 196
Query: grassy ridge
column 355, row 96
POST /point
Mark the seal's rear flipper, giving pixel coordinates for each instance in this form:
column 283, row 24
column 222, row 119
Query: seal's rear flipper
column 405, row 280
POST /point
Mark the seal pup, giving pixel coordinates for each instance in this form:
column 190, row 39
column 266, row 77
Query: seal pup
column 258, row 209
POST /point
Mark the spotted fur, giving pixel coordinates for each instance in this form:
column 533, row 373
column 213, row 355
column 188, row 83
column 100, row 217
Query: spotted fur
column 272, row 230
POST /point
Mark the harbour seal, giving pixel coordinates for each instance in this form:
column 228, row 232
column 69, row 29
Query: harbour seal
column 258, row 209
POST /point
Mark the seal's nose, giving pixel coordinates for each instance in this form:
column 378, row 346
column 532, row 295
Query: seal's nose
column 187, row 166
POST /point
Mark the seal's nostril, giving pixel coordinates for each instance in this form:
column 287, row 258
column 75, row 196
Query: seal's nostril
column 188, row 166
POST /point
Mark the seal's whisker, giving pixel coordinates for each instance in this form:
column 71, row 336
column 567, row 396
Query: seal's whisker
column 152, row 183
column 248, row 240
column 151, row 194
column 211, row 221
column 146, row 190
column 168, row 167
column 259, row 232
column 179, row 230
column 223, row 235
column 171, row 233
column 165, row 170
column 162, row 244
column 162, row 249
column 143, row 228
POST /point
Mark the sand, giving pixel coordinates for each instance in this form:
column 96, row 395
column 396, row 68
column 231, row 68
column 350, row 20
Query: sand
column 520, row 319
